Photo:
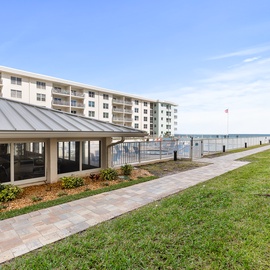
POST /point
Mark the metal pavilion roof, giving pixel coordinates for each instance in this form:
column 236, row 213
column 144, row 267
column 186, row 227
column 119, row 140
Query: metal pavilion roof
column 17, row 118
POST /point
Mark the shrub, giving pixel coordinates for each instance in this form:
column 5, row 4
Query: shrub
column 9, row 192
column 109, row 174
column 71, row 182
column 36, row 199
column 127, row 169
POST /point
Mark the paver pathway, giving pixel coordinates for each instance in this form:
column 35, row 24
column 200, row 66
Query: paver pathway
column 24, row 233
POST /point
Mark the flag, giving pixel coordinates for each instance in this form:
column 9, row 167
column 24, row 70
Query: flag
column 227, row 111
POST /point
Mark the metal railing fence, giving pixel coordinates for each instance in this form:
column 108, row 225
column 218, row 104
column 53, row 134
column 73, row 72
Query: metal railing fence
column 144, row 151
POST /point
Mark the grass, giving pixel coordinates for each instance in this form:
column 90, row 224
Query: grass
column 218, row 224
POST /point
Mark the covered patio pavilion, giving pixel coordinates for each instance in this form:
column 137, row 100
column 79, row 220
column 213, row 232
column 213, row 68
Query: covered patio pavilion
column 38, row 144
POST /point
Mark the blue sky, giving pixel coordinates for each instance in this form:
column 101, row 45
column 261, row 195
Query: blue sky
column 205, row 55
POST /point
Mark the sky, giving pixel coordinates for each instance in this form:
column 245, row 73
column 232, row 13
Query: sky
column 205, row 55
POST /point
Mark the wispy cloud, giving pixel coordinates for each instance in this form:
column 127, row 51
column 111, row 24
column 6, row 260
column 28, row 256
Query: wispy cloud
column 251, row 59
column 244, row 89
column 244, row 52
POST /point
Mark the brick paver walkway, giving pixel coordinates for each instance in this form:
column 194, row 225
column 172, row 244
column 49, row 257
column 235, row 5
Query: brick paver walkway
column 24, row 233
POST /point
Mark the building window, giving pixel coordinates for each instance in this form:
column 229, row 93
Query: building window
column 105, row 96
column 41, row 97
column 136, row 117
column 136, row 102
column 105, row 115
column 136, row 125
column 145, row 104
column 105, row 106
column 145, row 111
column 175, row 110
column 74, row 112
column 91, row 94
column 136, row 110
column 161, row 111
column 145, row 126
column 91, row 103
column 91, row 114
column 16, row 80
column 145, row 119
column 168, row 113
column 161, row 125
column 161, row 118
column 73, row 103
column 168, row 127
column 41, row 85
column 16, row 93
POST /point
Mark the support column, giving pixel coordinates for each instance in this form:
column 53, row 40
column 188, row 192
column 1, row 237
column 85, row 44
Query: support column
column 106, row 156
column 52, row 161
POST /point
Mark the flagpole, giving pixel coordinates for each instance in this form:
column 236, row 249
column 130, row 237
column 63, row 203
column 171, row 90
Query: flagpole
column 227, row 112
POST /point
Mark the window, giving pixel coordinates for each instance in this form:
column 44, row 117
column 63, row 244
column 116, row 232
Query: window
column 73, row 103
column 41, row 85
column 161, row 118
column 168, row 107
column 136, row 102
column 105, row 115
column 145, row 126
column 136, row 125
column 105, row 96
column 105, row 106
column 29, row 160
column 161, row 111
column 91, row 103
column 41, row 97
column 168, row 113
column 145, row 119
column 168, row 127
column 68, row 156
column 136, row 110
column 175, row 110
column 4, row 162
column 145, row 111
column 16, row 80
column 91, row 114
column 168, row 120
column 136, row 117
column 16, row 93
column 161, row 125
column 145, row 104
column 90, row 155
column 91, row 94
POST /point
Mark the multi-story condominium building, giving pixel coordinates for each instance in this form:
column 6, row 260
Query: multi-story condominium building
column 157, row 117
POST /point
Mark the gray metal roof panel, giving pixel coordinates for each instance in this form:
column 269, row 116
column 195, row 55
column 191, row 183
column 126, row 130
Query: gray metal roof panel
column 17, row 116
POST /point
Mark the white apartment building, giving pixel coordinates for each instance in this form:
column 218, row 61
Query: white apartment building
column 156, row 117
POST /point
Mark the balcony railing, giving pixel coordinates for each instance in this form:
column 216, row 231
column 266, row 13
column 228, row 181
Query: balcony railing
column 60, row 91
column 60, row 102
column 128, row 111
column 118, row 119
column 128, row 119
column 118, row 110
column 78, row 105
column 115, row 100
column 77, row 94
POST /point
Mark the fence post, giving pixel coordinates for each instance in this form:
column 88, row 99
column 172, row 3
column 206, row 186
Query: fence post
column 191, row 148
column 224, row 147
column 245, row 145
column 139, row 152
column 160, row 156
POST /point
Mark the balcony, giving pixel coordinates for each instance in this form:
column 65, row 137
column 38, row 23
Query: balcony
column 77, row 105
column 1, row 82
column 118, row 119
column 60, row 91
column 120, row 101
column 128, row 119
column 128, row 111
column 61, row 103
column 77, row 94
column 118, row 110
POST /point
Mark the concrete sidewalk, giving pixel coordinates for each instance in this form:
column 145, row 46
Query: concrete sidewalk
column 28, row 232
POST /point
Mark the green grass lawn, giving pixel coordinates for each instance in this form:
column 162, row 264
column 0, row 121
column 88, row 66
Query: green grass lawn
column 219, row 224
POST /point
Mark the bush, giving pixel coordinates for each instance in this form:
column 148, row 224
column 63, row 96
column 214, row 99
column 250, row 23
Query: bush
column 9, row 192
column 109, row 174
column 71, row 182
column 127, row 169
